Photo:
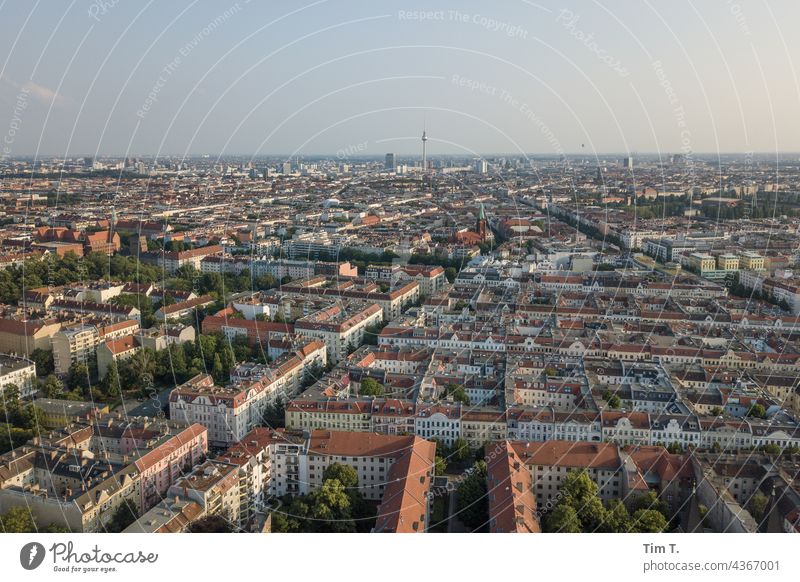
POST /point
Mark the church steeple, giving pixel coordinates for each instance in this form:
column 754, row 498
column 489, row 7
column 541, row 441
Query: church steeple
column 480, row 227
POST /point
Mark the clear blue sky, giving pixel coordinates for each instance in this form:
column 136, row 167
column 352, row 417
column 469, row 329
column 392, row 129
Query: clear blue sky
column 265, row 77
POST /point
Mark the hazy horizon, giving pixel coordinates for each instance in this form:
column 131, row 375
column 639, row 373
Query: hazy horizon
column 108, row 78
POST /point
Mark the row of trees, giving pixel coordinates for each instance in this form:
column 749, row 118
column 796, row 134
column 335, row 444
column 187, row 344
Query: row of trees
column 472, row 501
column 579, row 509
column 211, row 353
column 766, row 206
column 54, row 271
column 661, row 207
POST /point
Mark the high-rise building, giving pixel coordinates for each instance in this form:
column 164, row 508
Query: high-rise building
column 389, row 163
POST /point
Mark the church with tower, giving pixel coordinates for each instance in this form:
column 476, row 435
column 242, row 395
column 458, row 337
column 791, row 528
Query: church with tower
column 480, row 235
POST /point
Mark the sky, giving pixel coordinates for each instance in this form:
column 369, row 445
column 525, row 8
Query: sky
column 353, row 78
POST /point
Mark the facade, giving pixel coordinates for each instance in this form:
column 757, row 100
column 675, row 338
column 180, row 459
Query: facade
column 340, row 327
column 231, row 412
column 22, row 336
column 171, row 261
column 256, row 332
column 19, row 372
column 74, row 345
column 396, row 472
column 78, row 477
column 160, row 467
column 182, row 309
column 214, row 486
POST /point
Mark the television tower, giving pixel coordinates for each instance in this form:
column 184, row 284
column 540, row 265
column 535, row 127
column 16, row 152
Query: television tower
column 424, row 154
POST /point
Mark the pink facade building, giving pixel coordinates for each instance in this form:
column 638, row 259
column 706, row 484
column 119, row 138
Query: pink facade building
column 162, row 466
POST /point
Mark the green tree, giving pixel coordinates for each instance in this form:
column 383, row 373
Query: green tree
column 17, row 520
column 33, row 418
column 124, row 515
column 457, row 393
column 207, row 346
column 345, row 474
column 758, row 505
column 370, row 387
column 241, row 348
column 12, row 436
column 330, row 507
column 648, row 521
column 616, row 519
column 78, row 377
column 440, row 466
column 291, row 518
column 171, row 366
column 10, row 399
column 651, row 500
column 579, row 491
column 757, row 411
column 612, row 399
column 675, row 448
column 563, row 519
column 44, row 361
column 212, row 283
column 111, row 383
column 138, row 371
column 460, row 450
column 266, row 281
column 275, row 412
column 217, row 371
column 472, row 500
column 52, row 387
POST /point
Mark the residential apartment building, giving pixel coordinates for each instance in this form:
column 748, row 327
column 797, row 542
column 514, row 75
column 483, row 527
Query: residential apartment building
column 341, row 327
column 231, row 412
column 19, row 372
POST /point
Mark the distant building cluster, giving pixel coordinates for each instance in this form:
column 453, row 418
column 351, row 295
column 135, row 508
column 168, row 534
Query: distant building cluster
column 437, row 344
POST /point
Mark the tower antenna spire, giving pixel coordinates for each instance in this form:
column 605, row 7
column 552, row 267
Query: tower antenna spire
column 424, row 151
